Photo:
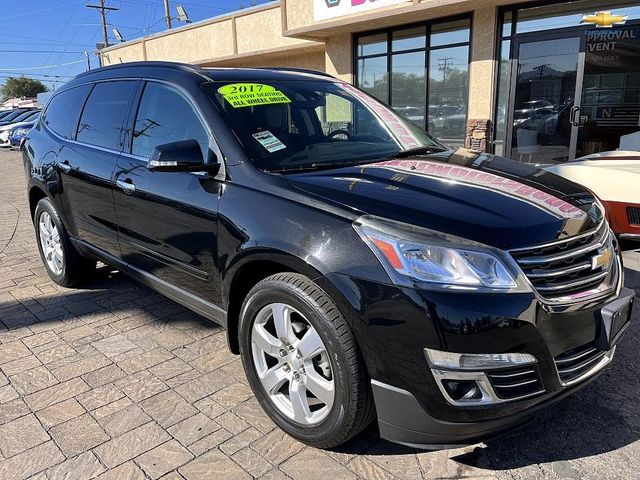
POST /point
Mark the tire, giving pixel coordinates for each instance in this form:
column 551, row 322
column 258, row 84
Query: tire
column 65, row 266
column 351, row 408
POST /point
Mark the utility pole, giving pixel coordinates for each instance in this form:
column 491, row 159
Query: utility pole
column 167, row 13
column 103, row 15
column 88, row 60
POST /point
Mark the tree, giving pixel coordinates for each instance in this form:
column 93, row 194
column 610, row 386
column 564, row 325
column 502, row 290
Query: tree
column 16, row 87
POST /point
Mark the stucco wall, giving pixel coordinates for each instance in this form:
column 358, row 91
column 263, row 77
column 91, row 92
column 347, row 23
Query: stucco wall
column 125, row 53
column 483, row 65
column 313, row 60
column 216, row 39
column 244, row 33
column 262, row 30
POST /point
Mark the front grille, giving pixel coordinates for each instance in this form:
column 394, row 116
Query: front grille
column 516, row 383
column 575, row 363
column 633, row 215
column 563, row 269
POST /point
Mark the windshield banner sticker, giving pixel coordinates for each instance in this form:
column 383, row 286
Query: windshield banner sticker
column 250, row 94
column 398, row 129
column 269, row 141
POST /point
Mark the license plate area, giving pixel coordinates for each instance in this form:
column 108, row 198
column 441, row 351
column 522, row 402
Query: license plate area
column 614, row 317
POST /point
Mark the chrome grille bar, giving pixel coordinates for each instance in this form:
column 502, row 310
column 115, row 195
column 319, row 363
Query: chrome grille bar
column 571, row 268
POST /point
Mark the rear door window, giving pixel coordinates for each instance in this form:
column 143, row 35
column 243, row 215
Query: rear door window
column 64, row 109
column 165, row 116
column 104, row 114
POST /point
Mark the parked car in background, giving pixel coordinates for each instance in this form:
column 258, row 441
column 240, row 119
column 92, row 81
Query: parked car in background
column 615, row 178
column 14, row 115
column 363, row 270
column 7, row 129
column 19, row 131
column 4, row 113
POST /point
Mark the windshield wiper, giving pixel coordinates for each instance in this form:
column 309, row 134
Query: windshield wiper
column 425, row 150
column 320, row 166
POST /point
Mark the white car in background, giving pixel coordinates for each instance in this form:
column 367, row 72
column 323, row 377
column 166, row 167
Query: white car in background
column 615, row 178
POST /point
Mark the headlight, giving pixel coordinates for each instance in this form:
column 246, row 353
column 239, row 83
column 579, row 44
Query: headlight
column 413, row 255
column 19, row 131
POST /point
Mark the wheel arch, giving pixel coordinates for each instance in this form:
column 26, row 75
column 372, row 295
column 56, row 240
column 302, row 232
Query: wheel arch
column 36, row 193
column 250, row 270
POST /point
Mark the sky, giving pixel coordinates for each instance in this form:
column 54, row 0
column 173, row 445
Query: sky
column 46, row 39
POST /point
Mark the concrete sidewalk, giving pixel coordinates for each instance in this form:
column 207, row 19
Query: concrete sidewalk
column 115, row 381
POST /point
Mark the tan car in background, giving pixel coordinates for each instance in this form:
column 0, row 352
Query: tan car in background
column 615, row 178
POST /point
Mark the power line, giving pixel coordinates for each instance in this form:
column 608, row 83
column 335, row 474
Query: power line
column 31, row 12
column 38, row 68
column 42, row 43
column 103, row 16
column 38, row 51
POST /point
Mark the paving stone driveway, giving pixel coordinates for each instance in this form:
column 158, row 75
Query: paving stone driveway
column 114, row 381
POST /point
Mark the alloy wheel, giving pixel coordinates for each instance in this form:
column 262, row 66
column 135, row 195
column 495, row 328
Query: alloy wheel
column 51, row 243
column 292, row 364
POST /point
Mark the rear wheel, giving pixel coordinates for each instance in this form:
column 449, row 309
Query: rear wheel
column 64, row 264
column 302, row 361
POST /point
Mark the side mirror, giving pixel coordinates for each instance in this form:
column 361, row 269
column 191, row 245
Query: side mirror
column 183, row 156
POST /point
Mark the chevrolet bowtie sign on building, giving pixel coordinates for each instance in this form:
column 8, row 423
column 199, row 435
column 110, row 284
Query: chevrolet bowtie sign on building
column 326, row 9
column 604, row 19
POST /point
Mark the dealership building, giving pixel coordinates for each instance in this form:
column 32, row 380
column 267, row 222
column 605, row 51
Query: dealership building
column 538, row 82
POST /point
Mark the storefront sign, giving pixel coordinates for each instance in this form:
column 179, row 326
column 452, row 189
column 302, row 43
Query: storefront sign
column 603, row 19
column 326, row 9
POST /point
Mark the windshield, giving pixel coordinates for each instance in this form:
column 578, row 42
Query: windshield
column 13, row 115
column 298, row 124
column 24, row 116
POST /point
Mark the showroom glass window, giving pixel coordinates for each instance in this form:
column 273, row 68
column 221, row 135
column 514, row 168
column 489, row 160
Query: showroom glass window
column 609, row 88
column 422, row 71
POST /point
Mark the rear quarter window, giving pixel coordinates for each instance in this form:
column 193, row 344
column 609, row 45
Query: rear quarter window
column 103, row 117
column 64, row 109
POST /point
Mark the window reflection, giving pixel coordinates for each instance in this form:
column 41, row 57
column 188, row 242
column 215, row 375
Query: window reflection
column 164, row 116
column 409, row 39
column 448, row 91
column 373, row 77
column 409, row 86
column 104, row 114
column 372, row 44
column 435, row 100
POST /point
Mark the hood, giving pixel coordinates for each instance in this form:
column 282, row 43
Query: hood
column 480, row 197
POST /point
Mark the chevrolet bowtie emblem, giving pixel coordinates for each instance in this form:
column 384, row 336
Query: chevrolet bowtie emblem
column 602, row 259
column 604, row 19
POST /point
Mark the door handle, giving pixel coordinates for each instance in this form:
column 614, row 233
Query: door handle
column 126, row 185
column 573, row 115
column 64, row 166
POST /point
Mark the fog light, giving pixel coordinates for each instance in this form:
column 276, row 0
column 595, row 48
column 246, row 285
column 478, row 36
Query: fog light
column 460, row 390
column 475, row 361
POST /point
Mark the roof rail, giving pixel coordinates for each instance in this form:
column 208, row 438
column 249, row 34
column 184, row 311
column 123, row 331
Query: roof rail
column 299, row 70
column 157, row 64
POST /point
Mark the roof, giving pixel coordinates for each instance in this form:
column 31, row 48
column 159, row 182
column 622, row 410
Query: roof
column 214, row 73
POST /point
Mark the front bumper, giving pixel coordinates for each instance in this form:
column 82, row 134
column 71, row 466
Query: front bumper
column 403, row 419
column 393, row 325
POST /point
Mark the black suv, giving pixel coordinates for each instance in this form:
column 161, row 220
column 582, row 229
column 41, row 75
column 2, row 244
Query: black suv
column 361, row 269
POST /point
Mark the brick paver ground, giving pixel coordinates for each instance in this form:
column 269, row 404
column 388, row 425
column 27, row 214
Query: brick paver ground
column 116, row 382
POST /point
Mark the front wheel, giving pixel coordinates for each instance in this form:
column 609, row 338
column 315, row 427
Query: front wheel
column 302, row 361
